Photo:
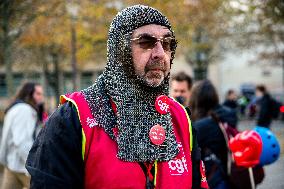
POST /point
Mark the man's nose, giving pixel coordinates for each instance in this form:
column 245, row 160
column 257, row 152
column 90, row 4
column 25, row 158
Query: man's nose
column 158, row 52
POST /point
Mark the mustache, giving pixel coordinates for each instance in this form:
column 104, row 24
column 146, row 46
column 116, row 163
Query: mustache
column 155, row 65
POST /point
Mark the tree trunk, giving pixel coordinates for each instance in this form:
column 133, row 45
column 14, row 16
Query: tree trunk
column 7, row 59
column 43, row 64
column 200, row 73
column 56, row 86
column 74, row 57
column 7, row 46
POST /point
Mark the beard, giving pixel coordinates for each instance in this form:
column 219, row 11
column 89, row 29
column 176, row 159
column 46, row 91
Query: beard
column 154, row 73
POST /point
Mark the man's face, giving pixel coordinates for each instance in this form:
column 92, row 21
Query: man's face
column 258, row 93
column 233, row 96
column 38, row 94
column 151, row 64
column 180, row 89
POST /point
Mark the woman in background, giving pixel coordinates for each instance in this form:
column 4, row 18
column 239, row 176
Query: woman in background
column 18, row 135
column 207, row 114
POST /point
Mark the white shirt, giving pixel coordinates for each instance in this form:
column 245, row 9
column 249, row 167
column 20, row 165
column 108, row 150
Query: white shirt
column 17, row 136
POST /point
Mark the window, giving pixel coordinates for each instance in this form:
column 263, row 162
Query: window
column 35, row 77
column 3, row 86
column 17, row 80
column 86, row 80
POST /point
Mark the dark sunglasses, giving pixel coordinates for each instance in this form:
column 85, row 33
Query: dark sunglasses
column 149, row 42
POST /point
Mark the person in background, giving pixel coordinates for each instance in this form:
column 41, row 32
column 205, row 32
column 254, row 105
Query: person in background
column 181, row 84
column 264, row 106
column 252, row 106
column 42, row 118
column 18, row 135
column 231, row 100
column 42, row 113
column 206, row 114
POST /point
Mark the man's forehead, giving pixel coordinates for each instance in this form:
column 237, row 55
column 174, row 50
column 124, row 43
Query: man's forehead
column 179, row 83
column 152, row 29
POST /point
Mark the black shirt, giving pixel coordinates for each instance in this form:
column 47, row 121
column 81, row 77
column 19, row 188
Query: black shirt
column 265, row 115
column 231, row 104
column 55, row 159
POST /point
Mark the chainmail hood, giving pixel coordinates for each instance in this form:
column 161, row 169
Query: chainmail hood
column 136, row 113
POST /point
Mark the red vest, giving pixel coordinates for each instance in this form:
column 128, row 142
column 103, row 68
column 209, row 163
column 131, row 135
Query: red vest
column 105, row 171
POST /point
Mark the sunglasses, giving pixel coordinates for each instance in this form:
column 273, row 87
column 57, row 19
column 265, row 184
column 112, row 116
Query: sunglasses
column 149, row 42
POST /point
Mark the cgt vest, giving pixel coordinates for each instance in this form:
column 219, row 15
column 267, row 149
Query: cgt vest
column 105, row 171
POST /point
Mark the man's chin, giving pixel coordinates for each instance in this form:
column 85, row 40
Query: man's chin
column 154, row 82
column 154, row 78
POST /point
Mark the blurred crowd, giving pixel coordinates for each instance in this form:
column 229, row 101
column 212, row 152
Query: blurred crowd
column 216, row 122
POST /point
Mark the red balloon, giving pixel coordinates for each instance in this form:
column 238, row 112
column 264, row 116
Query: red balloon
column 282, row 109
column 246, row 148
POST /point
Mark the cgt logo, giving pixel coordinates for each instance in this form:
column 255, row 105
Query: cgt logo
column 91, row 122
column 163, row 106
column 178, row 166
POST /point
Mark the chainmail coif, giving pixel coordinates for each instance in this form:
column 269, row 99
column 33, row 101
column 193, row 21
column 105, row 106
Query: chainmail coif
column 136, row 113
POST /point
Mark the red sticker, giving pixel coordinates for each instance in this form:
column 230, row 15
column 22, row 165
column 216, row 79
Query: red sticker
column 157, row 134
column 162, row 104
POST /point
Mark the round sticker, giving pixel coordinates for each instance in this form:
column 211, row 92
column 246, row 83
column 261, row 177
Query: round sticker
column 162, row 104
column 157, row 134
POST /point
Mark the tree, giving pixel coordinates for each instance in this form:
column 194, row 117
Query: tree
column 271, row 26
column 261, row 26
column 51, row 37
column 198, row 26
column 48, row 38
column 15, row 16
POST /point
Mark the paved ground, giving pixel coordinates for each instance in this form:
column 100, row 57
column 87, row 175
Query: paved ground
column 274, row 173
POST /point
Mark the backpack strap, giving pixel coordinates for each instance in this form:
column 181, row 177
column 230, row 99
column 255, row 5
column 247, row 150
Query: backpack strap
column 228, row 133
column 224, row 127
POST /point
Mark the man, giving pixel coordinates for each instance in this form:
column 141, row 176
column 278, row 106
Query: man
column 123, row 131
column 19, row 128
column 181, row 88
column 231, row 100
column 268, row 107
